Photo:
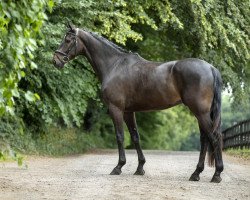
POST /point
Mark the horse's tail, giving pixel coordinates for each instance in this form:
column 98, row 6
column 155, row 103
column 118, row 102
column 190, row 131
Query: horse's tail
column 215, row 114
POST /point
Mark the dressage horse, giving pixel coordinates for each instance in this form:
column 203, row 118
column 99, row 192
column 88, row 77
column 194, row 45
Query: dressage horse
column 130, row 83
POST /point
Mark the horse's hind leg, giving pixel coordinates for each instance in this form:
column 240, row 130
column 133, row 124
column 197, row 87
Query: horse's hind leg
column 214, row 139
column 130, row 121
column 200, row 166
column 216, row 142
column 117, row 117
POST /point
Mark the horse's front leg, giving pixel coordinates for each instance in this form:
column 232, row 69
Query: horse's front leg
column 117, row 117
column 129, row 118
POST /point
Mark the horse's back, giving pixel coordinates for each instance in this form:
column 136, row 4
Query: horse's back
column 193, row 67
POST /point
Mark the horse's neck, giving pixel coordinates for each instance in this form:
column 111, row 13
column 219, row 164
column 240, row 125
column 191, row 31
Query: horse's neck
column 101, row 57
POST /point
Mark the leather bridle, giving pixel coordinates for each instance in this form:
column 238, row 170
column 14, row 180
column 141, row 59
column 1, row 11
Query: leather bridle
column 65, row 58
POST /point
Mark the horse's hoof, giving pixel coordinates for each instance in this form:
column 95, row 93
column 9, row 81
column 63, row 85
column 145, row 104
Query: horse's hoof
column 116, row 171
column 139, row 172
column 194, row 177
column 216, row 179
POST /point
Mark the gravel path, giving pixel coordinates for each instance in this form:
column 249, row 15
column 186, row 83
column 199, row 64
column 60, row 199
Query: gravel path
column 87, row 177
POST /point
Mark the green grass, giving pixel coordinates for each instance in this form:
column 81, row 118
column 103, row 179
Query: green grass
column 243, row 153
column 55, row 142
column 59, row 142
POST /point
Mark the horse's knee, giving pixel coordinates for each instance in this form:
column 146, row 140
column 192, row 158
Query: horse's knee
column 135, row 138
column 120, row 138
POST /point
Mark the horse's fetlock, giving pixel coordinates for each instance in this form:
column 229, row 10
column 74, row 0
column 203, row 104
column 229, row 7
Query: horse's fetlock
column 220, row 168
column 200, row 168
column 122, row 162
column 142, row 161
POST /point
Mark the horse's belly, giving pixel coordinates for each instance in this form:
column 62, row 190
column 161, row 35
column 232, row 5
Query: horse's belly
column 141, row 108
column 151, row 102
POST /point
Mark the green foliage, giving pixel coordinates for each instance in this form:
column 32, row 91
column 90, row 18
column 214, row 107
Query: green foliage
column 166, row 129
column 113, row 18
column 7, row 153
column 191, row 143
column 233, row 115
column 61, row 141
column 14, row 136
column 64, row 94
column 20, row 24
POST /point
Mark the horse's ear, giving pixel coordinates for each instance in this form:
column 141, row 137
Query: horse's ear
column 70, row 26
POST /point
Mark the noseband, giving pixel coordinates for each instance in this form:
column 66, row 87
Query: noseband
column 74, row 44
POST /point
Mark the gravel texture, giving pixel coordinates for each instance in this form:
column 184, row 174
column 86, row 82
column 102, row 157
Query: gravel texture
column 87, row 177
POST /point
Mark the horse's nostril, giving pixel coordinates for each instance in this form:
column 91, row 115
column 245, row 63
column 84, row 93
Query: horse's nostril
column 54, row 62
column 65, row 58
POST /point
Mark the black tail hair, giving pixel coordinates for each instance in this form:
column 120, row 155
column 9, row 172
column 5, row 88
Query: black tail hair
column 215, row 114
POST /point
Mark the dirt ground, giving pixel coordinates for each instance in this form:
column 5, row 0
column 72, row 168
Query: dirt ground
column 87, row 177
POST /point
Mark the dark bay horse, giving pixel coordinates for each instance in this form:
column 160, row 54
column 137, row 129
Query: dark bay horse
column 131, row 83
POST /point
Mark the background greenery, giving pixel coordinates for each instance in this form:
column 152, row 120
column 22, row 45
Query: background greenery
column 44, row 110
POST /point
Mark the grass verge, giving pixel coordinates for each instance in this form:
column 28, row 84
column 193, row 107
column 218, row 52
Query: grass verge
column 242, row 153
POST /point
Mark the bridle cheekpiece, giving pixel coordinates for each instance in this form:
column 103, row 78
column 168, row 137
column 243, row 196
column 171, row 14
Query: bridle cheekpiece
column 74, row 44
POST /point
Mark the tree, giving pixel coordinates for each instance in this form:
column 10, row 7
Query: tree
column 20, row 24
column 233, row 115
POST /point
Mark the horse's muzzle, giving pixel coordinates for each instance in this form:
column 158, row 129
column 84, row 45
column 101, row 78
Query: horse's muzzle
column 57, row 63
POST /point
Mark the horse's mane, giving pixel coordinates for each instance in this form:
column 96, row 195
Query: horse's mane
column 108, row 42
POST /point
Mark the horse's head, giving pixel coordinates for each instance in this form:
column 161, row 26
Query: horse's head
column 69, row 47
